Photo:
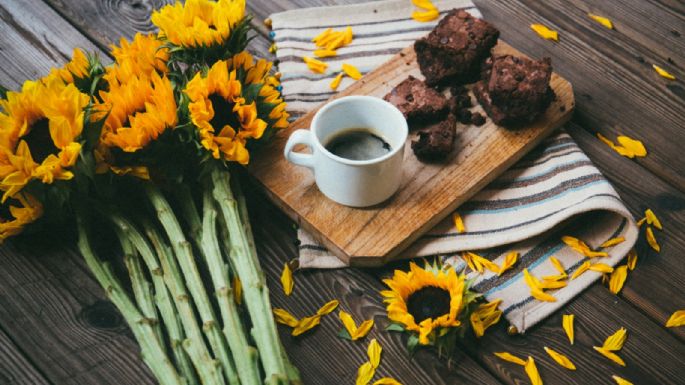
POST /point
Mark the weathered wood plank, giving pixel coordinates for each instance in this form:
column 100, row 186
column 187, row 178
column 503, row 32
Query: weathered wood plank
column 617, row 92
column 15, row 368
column 321, row 357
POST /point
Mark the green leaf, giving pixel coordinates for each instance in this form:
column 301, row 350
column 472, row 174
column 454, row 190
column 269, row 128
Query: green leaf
column 412, row 344
column 393, row 327
column 344, row 334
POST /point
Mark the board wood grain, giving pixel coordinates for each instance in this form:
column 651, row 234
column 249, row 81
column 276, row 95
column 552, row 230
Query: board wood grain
column 428, row 193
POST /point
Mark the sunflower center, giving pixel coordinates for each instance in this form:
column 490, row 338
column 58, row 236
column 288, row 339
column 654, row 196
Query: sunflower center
column 39, row 141
column 428, row 302
column 223, row 112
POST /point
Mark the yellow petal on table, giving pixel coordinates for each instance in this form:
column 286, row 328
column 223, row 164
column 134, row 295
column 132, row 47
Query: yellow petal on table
column 351, row 71
column 511, row 358
column 348, row 35
column 509, row 261
column 581, row 247
column 641, row 222
column 552, row 284
column 425, row 4
column 651, row 219
column 676, row 319
column 632, row 259
column 306, row 324
column 541, row 295
column 662, row 72
column 601, row 20
column 458, row 223
column 615, row 341
column 327, row 307
column 623, row 151
column 621, row 381
column 532, row 372
column 315, row 65
column 618, row 278
column 560, row 359
column 601, row 268
column 558, row 265
column 545, row 32
column 363, row 329
column 425, row 16
column 532, row 282
column 325, row 53
column 485, row 315
column 610, row 355
column 336, row 42
column 365, row 373
column 352, row 329
column 374, row 352
column 554, row 278
column 633, row 145
column 336, row 82
column 387, row 381
column 488, row 264
column 477, row 325
column 287, row 279
column 567, row 324
column 651, row 240
column 282, row 316
column 469, row 261
column 613, row 242
column 322, row 35
column 581, row 269
column 237, row 290
column 605, row 140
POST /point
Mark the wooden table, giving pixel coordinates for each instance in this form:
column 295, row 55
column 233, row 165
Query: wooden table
column 57, row 328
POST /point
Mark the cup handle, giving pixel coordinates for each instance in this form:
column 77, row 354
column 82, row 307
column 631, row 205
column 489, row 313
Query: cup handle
column 299, row 137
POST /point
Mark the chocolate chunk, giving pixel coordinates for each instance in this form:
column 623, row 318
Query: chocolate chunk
column 417, row 101
column 455, row 48
column 515, row 90
column 477, row 119
column 436, row 141
column 464, row 116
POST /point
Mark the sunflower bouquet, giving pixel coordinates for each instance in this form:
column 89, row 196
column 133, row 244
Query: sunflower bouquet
column 146, row 152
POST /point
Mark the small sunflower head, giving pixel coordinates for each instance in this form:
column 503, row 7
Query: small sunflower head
column 429, row 302
column 40, row 130
column 16, row 213
column 205, row 29
column 142, row 56
column 83, row 70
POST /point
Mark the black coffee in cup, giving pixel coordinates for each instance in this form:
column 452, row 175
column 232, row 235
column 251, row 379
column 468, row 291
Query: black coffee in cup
column 357, row 144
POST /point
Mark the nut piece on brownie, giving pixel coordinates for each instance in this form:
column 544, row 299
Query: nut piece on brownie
column 435, row 142
column 417, row 101
column 455, row 48
column 515, row 90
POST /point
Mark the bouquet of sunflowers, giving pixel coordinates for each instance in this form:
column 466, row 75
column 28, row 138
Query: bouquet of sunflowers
column 144, row 149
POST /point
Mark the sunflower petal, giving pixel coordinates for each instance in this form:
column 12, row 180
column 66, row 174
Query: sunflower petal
column 545, row 32
column 610, row 355
column 532, row 372
column 621, row 381
column 374, row 352
column 651, row 218
column 458, row 223
column 306, row 324
column 425, row 16
column 612, row 242
column 365, row 373
column 651, row 240
column 615, row 341
column 618, row 278
column 363, row 329
column 314, row 65
column 532, row 282
column 351, row 71
column 336, row 82
column 488, row 264
column 560, row 359
column 325, row 53
column 511, row 358
column 327, row 307
column 601, row 267
column 282, row 316
column 676, row 319
column 601, row 20
column 567, row 324
column 581, row 269
column 348, row 322
column 287, row 279
column 552, row 284
column 558, row 265
column 634, row 146
column 632, row 259
column 387, row 381
column 662, row 72
column 541, row 295
column 509, row 261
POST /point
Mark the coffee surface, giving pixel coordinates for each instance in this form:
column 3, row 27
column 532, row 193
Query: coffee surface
column 358, row 144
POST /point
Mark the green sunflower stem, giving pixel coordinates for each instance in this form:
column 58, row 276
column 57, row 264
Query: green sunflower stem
column 153, row 352
column 186, row 259
column 129, row 233
column 244, row 261
column 244, row 355
column 189, row 211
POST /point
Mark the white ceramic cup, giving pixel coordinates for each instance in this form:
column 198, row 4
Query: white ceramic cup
column 356, row 183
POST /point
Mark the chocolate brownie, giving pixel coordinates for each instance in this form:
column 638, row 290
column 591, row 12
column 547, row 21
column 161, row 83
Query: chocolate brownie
column 417, row 101
column 454, row 50
column 435, row 142
column 515, row 90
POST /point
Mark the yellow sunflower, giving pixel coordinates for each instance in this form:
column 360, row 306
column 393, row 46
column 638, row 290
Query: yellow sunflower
column 425, row 302
column 39, row 131
column 140, row 110
column 17, row 212
column 199, row 23
column 142, row 56
column 78, row 67
column 224, row 120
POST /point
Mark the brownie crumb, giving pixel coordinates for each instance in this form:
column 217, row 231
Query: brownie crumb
column 477, row 119
column 436, row 141
column 417, row 101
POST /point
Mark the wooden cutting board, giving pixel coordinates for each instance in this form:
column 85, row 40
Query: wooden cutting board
column 428, row 193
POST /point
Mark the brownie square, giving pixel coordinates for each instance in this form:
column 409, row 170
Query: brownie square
column 435, row 142
column 454, row 50
column 418, row 102
column 515, row 90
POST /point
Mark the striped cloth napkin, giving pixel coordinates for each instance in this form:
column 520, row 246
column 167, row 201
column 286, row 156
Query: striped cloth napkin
column 553, row 191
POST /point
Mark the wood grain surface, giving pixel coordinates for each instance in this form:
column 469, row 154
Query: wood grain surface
column 428, row 192
column 58, row 324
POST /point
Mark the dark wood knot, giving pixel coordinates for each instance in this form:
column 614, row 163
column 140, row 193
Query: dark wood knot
column 102, row 315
